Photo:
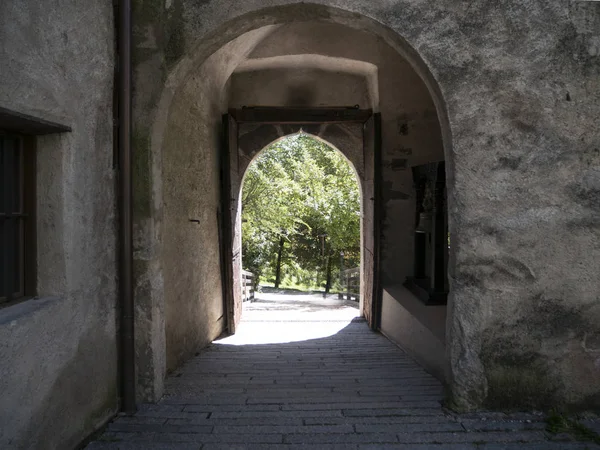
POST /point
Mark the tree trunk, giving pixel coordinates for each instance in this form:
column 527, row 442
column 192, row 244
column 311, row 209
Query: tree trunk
column 328, row 280
column 278, row 268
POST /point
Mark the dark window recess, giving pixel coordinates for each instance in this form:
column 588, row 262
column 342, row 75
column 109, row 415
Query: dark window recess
column 430, row 280
column 16, row 217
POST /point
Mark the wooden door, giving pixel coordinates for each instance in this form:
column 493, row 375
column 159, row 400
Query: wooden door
column 371, row 293
column 231, row 235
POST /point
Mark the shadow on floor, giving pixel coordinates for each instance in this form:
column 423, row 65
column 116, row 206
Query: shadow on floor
column 352, row 389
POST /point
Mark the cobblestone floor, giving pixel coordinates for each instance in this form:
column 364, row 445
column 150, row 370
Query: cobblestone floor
column 304, row 372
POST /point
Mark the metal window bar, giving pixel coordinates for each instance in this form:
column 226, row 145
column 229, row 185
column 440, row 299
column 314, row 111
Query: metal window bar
column 12, row 218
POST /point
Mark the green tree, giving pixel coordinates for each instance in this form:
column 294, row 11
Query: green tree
column 301, row 208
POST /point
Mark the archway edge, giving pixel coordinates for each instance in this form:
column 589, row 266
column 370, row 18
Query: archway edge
column 202, row 47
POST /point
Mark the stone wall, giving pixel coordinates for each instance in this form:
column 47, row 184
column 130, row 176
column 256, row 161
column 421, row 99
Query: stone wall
column 179, row 302
column 514, row 87
column 58, row 352
column 190, row 250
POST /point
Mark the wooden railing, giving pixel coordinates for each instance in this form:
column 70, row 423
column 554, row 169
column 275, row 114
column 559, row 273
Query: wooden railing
column 350, row 280
column 247, row 286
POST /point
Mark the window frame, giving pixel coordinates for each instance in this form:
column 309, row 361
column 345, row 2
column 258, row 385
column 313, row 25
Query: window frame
column 429, row 282
column 26, row 269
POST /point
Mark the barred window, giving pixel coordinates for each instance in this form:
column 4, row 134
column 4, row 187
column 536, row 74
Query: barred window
column 17, row 182
column 430, row 280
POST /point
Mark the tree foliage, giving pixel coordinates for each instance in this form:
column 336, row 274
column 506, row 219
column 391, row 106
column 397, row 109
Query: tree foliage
column 300, row 189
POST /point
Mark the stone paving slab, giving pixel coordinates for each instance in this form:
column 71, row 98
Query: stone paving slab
column 331, row 385
column 233, row 446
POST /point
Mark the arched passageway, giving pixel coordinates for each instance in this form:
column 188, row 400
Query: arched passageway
column 516, row 82
column 317, row 56
column 344, row 84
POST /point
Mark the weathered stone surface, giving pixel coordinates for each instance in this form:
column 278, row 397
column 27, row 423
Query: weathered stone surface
column 516, row 100
column 507, row 93
column 298, row 420
column 58, row 353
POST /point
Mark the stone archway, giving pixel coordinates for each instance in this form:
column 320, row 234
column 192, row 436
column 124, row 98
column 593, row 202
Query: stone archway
column 499, row 109
column 179, row 127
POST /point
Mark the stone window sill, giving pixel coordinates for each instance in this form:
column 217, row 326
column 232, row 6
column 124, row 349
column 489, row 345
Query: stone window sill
column 24, row 309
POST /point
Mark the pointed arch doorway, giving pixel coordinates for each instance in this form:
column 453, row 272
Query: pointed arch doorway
column 246, row 132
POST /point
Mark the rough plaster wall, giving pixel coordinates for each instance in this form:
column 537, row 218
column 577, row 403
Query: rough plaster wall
column 298, row 87
column 58, row 370
column 517, row 87
column 190, row 255
column 158, row 45
column 415, row 327
column 330, row 64
column 527, row 191
column 189, row 251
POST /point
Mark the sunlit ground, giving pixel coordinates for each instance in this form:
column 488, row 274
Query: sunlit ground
column 291, row 317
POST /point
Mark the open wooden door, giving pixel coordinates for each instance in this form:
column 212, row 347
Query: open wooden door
column 231, row 222
column 371, row 293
